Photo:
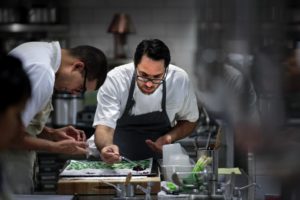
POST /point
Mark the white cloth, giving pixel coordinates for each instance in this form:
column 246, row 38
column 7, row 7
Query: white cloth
column 40, row 60
column 181, row 103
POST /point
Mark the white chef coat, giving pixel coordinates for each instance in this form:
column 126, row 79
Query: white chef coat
column 181, row 103
column 40, row 60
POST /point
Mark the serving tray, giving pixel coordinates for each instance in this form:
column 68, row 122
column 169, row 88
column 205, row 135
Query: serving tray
column 86, row 168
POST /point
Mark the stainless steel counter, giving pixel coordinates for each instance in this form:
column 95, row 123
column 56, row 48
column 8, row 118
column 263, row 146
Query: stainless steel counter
column 43, row 197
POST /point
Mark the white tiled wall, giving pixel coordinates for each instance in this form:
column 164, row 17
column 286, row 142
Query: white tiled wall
column 172, row 21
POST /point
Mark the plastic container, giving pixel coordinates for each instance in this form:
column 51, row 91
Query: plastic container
column 168, row 170
column 175, row 159
column 169, row 150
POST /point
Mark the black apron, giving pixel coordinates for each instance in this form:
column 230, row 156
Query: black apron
column 132, row 130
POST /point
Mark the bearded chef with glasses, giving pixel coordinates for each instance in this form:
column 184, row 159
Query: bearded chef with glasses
column 144, row 105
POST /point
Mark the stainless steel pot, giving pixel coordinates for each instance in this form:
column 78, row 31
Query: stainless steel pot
column 66, row 108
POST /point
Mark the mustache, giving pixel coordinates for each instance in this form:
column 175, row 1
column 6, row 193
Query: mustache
column 146, row 87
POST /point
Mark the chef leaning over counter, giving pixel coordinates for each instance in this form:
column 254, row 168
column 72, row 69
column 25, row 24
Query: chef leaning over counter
column 50, row 67
column 144, row 105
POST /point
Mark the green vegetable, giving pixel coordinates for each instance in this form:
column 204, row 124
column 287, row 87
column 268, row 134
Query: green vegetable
column 200, row 165
column 202, row 162
column 171, row 186
column 80, row 165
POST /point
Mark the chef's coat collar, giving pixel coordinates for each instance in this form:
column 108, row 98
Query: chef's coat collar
column 56, row 59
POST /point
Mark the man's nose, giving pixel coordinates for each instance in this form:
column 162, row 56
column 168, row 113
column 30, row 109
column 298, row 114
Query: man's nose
column 149, row 83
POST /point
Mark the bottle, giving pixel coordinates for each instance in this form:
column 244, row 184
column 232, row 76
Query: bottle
column 251, row 176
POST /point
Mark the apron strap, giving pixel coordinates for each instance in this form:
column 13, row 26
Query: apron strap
column 163, row 102
column 130, row 101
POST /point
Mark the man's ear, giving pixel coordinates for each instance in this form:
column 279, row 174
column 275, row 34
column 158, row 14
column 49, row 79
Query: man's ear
column 78, row 65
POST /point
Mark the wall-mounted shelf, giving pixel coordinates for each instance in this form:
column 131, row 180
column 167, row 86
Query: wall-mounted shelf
column 19, row 28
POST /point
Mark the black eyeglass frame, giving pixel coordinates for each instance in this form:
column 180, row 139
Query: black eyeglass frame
column 84, row 81
column 153, row 80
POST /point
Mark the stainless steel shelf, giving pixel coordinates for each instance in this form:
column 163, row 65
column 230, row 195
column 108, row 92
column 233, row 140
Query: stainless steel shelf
column 18, row 28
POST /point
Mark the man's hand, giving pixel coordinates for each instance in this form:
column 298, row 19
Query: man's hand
column 157, row 145
column 69, row 146
column 110, row 154
column 68, row 132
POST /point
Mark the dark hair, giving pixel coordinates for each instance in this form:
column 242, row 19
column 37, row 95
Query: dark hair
column 14, row 82
column 94, row 61
column 154, row 49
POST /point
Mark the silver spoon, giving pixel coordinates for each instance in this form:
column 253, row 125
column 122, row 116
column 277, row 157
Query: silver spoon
column 128, row 160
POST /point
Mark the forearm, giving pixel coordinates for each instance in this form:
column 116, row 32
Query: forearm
column 46, row 133
column 103, row 136
column 32, row 143
column 181, row 130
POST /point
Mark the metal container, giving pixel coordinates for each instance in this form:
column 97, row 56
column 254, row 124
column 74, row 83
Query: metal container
column 212, row 168
column 66, row 108
column 125, row 191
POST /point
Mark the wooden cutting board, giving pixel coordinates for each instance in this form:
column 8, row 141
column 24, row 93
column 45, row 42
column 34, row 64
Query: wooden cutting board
column 97, row 185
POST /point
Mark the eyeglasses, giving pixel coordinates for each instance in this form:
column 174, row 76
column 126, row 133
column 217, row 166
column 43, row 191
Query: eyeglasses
column 153, row 80
column 84, row 81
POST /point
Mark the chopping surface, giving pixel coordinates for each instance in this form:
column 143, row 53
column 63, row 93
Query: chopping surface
column 98, row 184
column 84, row 168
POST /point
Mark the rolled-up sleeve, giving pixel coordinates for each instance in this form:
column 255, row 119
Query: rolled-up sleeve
column 108, row 104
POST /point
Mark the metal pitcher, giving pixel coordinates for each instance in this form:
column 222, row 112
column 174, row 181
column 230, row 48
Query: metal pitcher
column 66, row 108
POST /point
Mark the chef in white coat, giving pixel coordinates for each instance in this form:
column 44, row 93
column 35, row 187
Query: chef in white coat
column 144, row 105
column 50, row 67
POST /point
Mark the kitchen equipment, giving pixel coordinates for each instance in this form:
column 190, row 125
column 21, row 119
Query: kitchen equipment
column 212, row 168
column 96, row 185
column 177, row 163
column 208, row 140
column 86, row 168
column 128, row 160
column 168, row 170
column 169, row 150
column 44, row 197
column 146, row 190
column 66, row 108
column 41, row 14
column 136, row 167
column 206, row 128
column 128, row 178
column 125, row 189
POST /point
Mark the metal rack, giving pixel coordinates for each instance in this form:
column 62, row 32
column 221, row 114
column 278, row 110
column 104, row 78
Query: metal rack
column 22, row 28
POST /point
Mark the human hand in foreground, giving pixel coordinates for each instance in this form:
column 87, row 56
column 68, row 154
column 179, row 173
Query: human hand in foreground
column 70, row 146
column 110, row 154
column 68, row 132
column 157, row 145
